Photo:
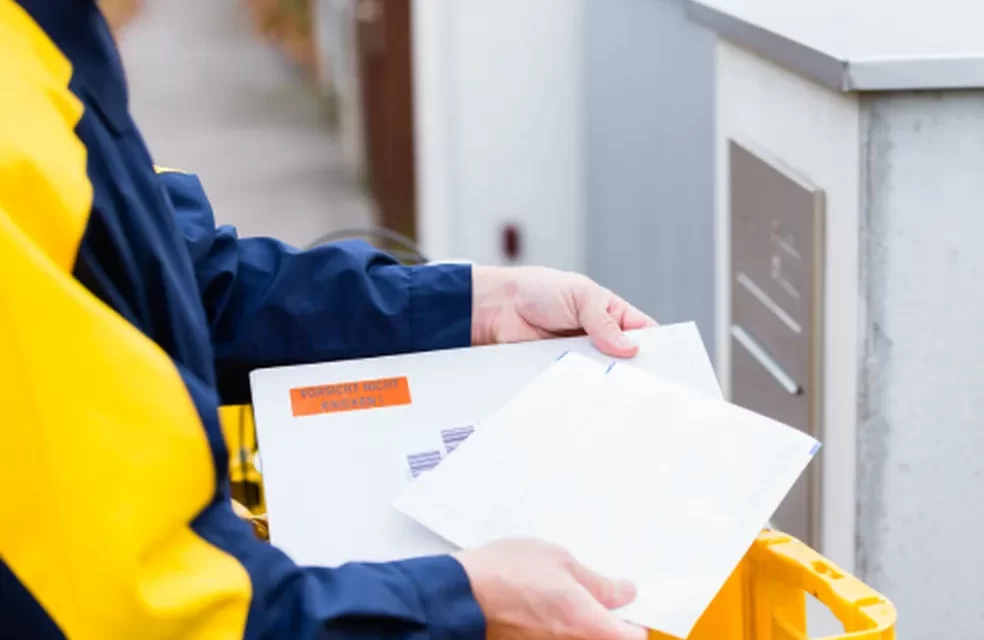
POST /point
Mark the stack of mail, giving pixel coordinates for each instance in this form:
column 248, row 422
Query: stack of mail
column 638, row 467
column 637, row 476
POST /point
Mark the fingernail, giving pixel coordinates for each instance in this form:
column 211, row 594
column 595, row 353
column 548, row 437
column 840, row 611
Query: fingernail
column 625, row 342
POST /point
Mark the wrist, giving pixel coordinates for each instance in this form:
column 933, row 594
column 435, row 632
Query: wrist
column 447, row 597
column 493, row 289
column 439, row 306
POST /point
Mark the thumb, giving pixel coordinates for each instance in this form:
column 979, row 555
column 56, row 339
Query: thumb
column 601, row 326
column 612, row 593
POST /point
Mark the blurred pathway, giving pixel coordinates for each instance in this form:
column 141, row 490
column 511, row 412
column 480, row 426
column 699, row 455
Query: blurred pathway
column 213, row 99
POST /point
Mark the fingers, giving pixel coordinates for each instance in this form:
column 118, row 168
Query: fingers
column 593, row 316
column 607, row 593
column 611, row 593
column 534, row 589
column 610, row 627
column 627, row 316
column 595, row 621
column 605, row 317
column 635, row 319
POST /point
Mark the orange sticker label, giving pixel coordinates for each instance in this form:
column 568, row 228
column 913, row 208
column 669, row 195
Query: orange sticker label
column 350, row 396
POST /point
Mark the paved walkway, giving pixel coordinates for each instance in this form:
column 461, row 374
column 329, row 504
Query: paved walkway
column 211, row 98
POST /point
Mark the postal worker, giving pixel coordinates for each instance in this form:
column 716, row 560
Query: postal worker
column 127, row 318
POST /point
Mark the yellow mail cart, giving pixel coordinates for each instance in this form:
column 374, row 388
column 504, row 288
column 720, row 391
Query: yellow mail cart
column 765, row 598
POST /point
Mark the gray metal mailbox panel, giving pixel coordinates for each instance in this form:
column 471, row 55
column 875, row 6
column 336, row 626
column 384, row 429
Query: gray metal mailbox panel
column 776, row 310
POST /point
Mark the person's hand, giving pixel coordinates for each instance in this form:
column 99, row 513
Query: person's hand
column 517, row 304
column 532, row 589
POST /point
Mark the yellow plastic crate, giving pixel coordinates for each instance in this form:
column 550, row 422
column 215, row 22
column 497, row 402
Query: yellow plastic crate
column 240, row 436
column 765, row 598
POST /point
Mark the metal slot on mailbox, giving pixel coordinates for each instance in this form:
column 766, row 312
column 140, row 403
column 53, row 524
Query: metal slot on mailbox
column 755, row 350
column 776, row 311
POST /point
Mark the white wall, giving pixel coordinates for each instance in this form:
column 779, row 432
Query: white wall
column 650, row 157
column 499, row 125
column 816, row 132
column 921, row 519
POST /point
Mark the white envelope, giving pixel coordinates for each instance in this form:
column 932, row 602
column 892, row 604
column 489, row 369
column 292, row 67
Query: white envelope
column 637, row 476
column 330, row 478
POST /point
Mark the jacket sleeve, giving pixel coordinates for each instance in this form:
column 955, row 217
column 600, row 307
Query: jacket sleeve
column 117, row 523
column 270, row 304
column 115, row 520
column 424, row 598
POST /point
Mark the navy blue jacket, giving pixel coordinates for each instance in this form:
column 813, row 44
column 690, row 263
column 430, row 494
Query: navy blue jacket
column 126, row 319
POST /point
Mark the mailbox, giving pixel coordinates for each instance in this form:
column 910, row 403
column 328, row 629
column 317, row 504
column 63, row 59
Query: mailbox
column 776, row 303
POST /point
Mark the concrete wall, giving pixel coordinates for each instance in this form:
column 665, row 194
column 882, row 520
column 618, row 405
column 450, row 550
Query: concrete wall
column 921, row 520
column 649, row 100
column 815, row 132
column 499, row 109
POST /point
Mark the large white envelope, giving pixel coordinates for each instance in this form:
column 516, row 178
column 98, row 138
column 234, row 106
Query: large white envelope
column 638, row 477
column 330, row 478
